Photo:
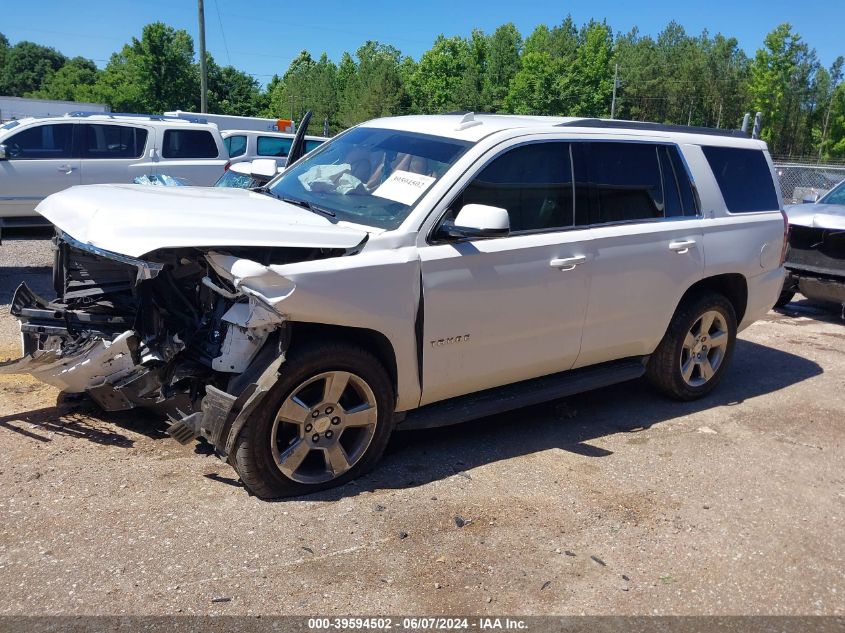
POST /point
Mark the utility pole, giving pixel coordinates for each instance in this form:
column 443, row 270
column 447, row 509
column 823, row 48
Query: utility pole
column 615, row 85
column 203, row 65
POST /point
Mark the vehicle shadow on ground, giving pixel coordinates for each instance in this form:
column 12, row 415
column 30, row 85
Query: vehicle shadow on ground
column 415, row 458
column 84, row 421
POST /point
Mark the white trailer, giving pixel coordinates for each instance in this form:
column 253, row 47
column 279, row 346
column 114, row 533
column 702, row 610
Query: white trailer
column 12, row 108
column 231, row 122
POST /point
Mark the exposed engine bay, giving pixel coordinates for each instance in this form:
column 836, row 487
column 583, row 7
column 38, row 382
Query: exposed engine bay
column 172, row 332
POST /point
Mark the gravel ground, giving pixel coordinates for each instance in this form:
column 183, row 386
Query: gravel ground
column 615, row 501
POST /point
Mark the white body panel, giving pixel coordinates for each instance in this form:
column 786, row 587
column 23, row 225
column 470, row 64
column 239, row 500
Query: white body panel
column 497, row 311
column 25, row 183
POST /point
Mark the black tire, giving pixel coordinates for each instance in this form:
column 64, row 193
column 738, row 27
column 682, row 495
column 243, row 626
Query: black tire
column 253, row 457
column 785, row 297
column 664, row 366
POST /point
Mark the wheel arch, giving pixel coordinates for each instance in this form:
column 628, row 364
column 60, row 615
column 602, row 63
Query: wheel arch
column 374, row 342
column 733, row 286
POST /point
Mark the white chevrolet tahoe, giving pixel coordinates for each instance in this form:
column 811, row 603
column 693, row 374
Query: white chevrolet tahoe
column 40, row 156
column 412, row 272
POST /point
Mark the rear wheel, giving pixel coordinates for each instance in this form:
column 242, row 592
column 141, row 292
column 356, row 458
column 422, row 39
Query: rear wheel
column 697, row 347
column 785, row 297
column 326, row 421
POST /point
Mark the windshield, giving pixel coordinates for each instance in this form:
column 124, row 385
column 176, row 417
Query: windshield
column 835, row 195
column 369, row 175
column 231, row 178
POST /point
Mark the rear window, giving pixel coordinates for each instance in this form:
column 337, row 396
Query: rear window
column 189, row 144
column 744, row 178
column 274, row 146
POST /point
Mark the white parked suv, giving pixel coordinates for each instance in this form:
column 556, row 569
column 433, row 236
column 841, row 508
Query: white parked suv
column 40, row 156
column 412, row 272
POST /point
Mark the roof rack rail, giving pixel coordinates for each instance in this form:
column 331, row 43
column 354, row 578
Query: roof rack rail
column 137, row 115
column 654, row 127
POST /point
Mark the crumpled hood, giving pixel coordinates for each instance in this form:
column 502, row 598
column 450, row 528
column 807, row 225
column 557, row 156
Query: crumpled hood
column 136, row 219
column 817, row 215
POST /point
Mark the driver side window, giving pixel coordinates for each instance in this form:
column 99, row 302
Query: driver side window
column 42, row 142
column 533, row 182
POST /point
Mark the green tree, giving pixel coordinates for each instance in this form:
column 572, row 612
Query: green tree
column 232, row 91
column 437, row 82
column 153, row 74
column 559, row 42
column 779, row 87
column 375, row 89
column 26, row 67
column 308, row 85
column 535, row 89
column 75, row 81
column 4, row 48
column 503, row 50
column 587, row 90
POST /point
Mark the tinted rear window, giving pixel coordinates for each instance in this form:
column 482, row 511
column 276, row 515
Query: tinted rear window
column 744, row 178
column 273, row 146
column 189, row 144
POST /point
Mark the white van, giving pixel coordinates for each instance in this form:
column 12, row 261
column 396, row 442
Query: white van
column 245, row 145
column 40, row 156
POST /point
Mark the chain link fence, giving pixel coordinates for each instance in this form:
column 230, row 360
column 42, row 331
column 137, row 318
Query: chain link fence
column 800, row 181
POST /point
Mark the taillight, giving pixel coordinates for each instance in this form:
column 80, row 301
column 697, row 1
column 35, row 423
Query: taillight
column 227, row 165
column 785, row 236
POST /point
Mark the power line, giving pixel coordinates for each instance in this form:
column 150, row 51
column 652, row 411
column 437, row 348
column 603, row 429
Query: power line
column 222, row 33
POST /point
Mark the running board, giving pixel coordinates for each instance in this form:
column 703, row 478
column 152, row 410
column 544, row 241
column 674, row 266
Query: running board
column 523, row 394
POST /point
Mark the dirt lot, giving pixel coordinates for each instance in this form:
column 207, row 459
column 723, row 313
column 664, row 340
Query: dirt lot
column 616, row 501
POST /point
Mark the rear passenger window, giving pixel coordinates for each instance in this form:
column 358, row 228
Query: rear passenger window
column 189, row 144
column 534, row 184
column 42, row 141
column 114, row 141
column 744, row 178
column 235, row 145
column 274, row 146
column 625, row 182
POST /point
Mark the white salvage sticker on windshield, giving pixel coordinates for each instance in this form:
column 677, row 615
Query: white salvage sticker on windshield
column 404, row 187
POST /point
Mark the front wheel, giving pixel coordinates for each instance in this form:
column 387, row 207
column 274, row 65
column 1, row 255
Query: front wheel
column 697, row 347
column 326, row 421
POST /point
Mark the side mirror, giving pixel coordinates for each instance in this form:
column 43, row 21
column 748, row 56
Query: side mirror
column 3, row 152
column 478, row 221
column 811, row 198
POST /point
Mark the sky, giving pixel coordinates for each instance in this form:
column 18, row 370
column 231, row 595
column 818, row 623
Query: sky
column 262, row 37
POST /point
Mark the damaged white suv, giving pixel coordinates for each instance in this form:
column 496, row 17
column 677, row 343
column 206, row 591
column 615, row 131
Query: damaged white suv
column 412, row 272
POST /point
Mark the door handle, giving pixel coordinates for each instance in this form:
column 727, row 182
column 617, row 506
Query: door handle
column 65, row 168
column 682, row 246
column 568, row 263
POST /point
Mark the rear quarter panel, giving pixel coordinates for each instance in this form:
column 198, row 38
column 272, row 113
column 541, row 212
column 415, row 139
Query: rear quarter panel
column 746, row 243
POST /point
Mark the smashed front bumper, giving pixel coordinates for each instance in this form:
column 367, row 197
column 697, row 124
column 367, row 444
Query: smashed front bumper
column 78, row 352
column 101, row 356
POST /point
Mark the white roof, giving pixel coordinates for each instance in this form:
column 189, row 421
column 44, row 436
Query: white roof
column 478, row 126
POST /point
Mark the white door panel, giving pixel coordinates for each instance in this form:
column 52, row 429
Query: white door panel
column 638, row 273
column 499, row 311
column 116, row 152
column 25, row 183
